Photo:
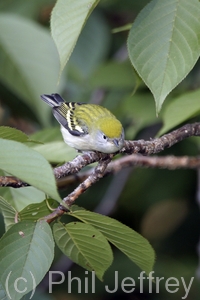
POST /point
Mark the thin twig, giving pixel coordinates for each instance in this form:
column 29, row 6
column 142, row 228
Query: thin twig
column 64, row 206
column 97, row 173
column 165, row 162
column 169, row 162
column 103, row 169
column 11, row 181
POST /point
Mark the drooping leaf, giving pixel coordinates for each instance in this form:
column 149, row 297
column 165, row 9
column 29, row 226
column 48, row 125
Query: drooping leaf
column 163, row 44
column 67, row 20
column 26, row 251
column 29, row 63
column 8, row 212
column 85, row 245
column 28, row 165
column 131, row 243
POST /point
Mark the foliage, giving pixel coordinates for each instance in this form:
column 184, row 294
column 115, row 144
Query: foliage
column 86, row 62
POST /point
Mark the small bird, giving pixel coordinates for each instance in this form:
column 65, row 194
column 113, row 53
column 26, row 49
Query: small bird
column 86, row 127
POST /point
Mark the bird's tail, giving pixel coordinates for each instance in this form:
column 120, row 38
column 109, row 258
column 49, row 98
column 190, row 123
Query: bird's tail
column 53, row 100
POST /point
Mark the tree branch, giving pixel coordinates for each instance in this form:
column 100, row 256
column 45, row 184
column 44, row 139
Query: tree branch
column 105, row 166
column 159, row 144
column 130, row 147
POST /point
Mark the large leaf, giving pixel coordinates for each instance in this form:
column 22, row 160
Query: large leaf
column 28, row 165
column 85, row 245
column 29, row 64
column 163, row 44
column 67, row 20
column 26, row 252
column 131, row 243
column 8, row 212
column 180, row 109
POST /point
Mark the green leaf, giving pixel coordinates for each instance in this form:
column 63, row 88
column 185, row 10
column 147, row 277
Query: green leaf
column 84, row 245
column 28, row 165
column 131, row 243
column 8, row 212
column 36, row 211
column 163, row 44
column 181, row 109
column 138, row 111
column 48, row 135
column 29, row 64
column 20, row 198
column 56, row 152
column 26, row 251
column 67, row 20
column 13, row 134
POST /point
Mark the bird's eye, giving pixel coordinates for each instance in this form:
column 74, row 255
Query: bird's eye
column 104, row 137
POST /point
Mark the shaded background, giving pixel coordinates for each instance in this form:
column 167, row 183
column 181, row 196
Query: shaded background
column 160, row 204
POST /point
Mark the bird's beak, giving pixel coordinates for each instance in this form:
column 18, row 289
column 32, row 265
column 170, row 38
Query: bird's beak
column 116, row 142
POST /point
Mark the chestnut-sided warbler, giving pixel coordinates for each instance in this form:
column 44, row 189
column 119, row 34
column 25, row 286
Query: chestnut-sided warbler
column 87, row 127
